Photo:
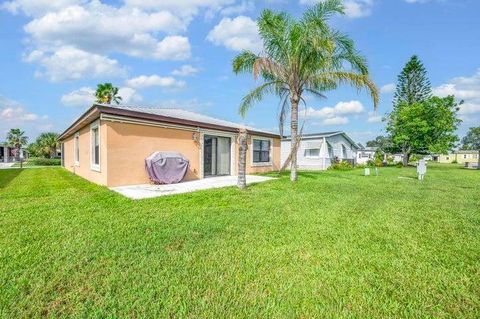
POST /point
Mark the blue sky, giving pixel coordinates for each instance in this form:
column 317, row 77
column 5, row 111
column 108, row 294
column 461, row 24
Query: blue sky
column 177, row 53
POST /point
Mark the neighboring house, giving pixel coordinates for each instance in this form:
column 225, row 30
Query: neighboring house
column 108, row 144
column 318, row 151
column 7, row 153
column 397, row 158
column 461, row 157
column 365, row 154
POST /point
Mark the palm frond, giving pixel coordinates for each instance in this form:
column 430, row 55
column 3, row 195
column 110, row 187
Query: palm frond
column 358, row 81
column 243, row 63
column 256, row 95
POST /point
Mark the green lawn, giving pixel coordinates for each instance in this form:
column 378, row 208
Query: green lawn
column 336, row 244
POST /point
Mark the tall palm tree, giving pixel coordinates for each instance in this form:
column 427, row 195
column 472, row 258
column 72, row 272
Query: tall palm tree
column 16, row 138
column 302, row 56
column 106, row 93
column 48, row 143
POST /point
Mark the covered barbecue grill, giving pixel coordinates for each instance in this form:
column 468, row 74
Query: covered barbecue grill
column 166, row 167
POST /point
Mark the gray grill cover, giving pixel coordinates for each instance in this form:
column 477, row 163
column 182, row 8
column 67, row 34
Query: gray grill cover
column 166, row 167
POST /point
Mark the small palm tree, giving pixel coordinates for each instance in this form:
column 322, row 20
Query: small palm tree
column 106, row 93
column 302, row 56
column 48, row 144
column 16, row 138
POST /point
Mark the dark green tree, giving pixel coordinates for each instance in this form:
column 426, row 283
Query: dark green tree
column 46, row 144
column 16, row 138
column 413, row 85
column 424, row 127
column 471, row 141
column 382, row 142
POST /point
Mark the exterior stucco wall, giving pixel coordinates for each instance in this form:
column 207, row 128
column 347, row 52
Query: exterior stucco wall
column 461, row 158
column 130, row 144
column 124, row 147
column 274, row 155
column 83, row 168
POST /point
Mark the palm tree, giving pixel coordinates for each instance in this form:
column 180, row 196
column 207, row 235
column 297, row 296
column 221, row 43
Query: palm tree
column 302, row 56
column 106, row 93
column 48, row 143
column 242, row 142
column 16, row 138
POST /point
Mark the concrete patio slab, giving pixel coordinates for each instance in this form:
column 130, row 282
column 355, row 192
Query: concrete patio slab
column 6, row 165
column 150, row 191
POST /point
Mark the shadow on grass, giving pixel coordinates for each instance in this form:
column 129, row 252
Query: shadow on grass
column 8, row 175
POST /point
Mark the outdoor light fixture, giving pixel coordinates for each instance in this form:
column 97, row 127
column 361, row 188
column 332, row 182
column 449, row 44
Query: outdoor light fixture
column 195, row 137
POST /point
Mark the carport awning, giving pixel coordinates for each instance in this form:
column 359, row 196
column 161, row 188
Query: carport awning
column 313, row 145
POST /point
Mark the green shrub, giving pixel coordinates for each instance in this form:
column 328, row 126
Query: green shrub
column 38, row 161
column 370, row 163
column 454, row 162
column 361, row 166
column 399, row 165
column 342, row 166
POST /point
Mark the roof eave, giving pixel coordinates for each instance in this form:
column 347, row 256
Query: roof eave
column 153, row 117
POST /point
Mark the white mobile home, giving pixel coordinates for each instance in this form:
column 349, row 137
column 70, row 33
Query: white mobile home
column 318, row 151
column 365, row 154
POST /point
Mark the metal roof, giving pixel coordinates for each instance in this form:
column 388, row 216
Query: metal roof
column 168, row 115
column 185, row 115
column 313, row 136
column 323, row 134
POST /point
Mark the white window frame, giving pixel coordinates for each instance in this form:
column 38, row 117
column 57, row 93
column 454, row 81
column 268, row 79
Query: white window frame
column 270, row 151
column 93, row 166
column 311, row 156
column 76, row 146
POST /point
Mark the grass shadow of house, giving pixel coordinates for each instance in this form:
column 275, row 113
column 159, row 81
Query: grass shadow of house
column 7, row 176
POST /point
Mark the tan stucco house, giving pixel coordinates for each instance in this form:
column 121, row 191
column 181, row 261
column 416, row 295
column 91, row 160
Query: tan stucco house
column 108, row 144
column 461, row 157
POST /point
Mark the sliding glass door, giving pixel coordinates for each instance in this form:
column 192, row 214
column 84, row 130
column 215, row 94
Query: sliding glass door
column 216, row 156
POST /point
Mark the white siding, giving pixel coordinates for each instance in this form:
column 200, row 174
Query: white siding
column 324, row 160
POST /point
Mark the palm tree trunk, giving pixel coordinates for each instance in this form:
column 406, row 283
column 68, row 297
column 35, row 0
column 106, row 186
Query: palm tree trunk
column 294, row 133
column 242, row 160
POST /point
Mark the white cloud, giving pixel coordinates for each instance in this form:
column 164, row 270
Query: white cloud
column 341, row 108
column 104, row 29
column 17, row 114
column 337, row 120
column 240, row 33
column 85, row 97
column 185, row 70
column 68, row 63
column 464, row 88
column 373, row 117
column 14, row 115
column 37, row 7
column 353, row 8
column 352, row 107
column 186, row 8
column 388, row 88
column 144, row 81
column 92, row 31
column 129, row 96
column 240, row 8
